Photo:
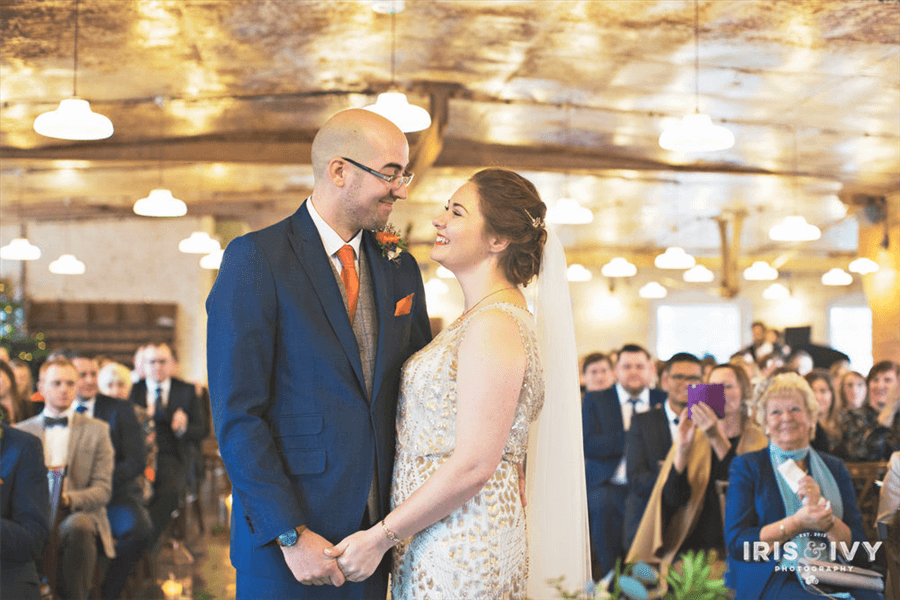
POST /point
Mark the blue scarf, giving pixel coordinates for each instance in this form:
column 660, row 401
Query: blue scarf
column 806, row 544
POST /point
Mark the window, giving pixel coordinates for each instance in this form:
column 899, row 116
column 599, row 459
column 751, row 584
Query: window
column 851, row 333
column 707, row 328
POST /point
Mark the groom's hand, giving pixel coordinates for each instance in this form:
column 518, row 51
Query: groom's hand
column 307, row 561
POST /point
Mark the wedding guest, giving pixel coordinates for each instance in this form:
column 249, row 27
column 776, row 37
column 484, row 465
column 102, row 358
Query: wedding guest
column 650, row 437
column 871, row 432
column 769, row 363
column 114, row 380
column 852, row 391
column 24, row 379
column 828, row 427
column 758, row 346
column 684, row 510
column 597, row 372
column 606, row 417
column 761, row 506
column 179, row 424
column 127, row 513
column 801, row 362
column 13, row 406
column 889, row 497
column 82, row 445
column 25, row 513
column 838, row 368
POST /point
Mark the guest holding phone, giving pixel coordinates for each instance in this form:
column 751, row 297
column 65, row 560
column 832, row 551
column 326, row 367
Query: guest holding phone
column 685, row 494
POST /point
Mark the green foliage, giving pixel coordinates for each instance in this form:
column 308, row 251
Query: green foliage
column 13, row 330
column 693, row 582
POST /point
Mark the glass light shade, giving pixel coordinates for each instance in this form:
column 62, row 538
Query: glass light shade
column 696, row 133
column 213, row 260
column 444, row 273
column 160, row 203
column 794, row 229
column 698, row 274
column 864, row 266
column 578, row 272
column 674, row 258
column 388, row 7
column 199, row 243
column 73, row 120
column 567, row 211
column 67, row 264
column 396, row 108
column 619, row 267
column 837, row 276
column 760, row 271
column 20, row 249
column 776, row 291
column 653, row 290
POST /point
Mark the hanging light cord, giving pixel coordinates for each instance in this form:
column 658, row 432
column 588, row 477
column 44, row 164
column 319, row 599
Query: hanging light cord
column 75, row 66
column 697, row 56
column 393, row 44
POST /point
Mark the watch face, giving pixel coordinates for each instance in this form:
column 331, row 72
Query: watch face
column 288, row 538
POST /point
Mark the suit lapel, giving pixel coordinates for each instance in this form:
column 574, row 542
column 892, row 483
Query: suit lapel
column 307, row 245
column 382, row 271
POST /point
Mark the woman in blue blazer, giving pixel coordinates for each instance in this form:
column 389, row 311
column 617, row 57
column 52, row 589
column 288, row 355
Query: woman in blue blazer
column 763, row 507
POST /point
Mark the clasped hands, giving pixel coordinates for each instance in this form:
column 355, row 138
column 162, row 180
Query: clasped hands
column 314, row 561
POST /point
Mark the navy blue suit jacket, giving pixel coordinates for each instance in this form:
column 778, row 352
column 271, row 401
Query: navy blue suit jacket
column 298, row 432
column 753, row 501
column 604, row 433
column 25, row 512
column 127, row 441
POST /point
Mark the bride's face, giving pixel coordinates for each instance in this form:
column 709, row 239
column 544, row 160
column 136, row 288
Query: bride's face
column 461, row 241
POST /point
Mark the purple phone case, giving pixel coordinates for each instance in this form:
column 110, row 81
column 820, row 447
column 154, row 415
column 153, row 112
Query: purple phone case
column 713, row 394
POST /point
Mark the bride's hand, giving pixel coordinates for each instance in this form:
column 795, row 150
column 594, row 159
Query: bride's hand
column 359, row 554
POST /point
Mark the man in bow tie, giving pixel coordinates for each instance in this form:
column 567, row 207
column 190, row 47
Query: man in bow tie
column 309, row 323
column 82, row 446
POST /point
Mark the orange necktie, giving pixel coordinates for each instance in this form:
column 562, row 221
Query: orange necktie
column 349, row 277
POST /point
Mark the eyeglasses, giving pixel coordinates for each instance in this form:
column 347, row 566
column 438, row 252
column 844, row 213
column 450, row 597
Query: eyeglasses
column 394, row 181
column 689, row 378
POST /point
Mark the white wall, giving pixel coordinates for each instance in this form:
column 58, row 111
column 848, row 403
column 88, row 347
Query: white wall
column 127, row 260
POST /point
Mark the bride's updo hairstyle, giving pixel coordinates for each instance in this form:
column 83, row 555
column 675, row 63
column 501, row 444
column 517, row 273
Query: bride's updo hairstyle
column 513, row 210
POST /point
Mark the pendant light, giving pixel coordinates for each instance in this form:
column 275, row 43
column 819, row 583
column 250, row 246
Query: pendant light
column 74, row 119
column 696, row 132
column 698, row 274
column 653, row 290
column 674, row 258
column 67, row 264
column 20, row 248
column 199, row 242
column 863, row 266
column 619, row 267
column 837, row 277
column 577, row 272
column 394, row 105
column 776, row 291
column 213, row 260
column 160, row 202
column 760, row 271
column 794, row 228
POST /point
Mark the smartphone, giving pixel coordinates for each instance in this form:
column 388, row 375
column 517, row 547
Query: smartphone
column 711, row 394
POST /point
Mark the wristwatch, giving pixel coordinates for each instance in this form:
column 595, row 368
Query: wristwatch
column 290, row 537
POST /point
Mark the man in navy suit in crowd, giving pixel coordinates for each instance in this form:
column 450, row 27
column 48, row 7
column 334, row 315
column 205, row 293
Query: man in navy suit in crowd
column 310, row 321
column 180, row 426
column 128, row 516
column 25, row 512
column 606, row 416
column 651, row 435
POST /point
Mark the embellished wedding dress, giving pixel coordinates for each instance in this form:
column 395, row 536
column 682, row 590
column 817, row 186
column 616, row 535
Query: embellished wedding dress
column 479, row 550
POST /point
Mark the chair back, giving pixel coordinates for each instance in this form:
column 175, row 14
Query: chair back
column 722, row 491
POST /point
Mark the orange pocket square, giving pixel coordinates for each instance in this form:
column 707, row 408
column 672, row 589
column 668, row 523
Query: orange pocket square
column 404, row 305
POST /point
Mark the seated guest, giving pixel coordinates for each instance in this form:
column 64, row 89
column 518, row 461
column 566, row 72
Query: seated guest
column 651, row 435
column 25, row 513
column 82, row 445
column 606, row 416
column 872, row 432
column 761, row 507
column 597, row 372
column 11, row 404
column 24, row 380
column 684, row 510
column 828, row 428
column 128, row 516
column 889, row 498
column 114, row 380
column 852, row 390
column 801, row 362
column 769, row 363
column 179, row 423
column 838, row 368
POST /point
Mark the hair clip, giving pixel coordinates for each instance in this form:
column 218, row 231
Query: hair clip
column 536, row 223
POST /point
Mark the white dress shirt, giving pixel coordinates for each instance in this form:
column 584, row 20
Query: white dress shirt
column 673, row 420
column 165, row 386
column 332, row 241
column 642, row 405
column 56, row 440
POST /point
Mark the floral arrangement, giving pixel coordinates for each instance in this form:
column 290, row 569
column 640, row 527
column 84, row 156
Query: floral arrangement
column 390, row 242
column 640, row 581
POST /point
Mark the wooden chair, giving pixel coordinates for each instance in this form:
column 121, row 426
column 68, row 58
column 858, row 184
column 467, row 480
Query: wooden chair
column 49, row 562
column 722, row 491
column 864, row 476
column 889, row 533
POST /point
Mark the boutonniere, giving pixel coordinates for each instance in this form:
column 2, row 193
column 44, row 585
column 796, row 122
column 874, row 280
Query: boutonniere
column 390, row 242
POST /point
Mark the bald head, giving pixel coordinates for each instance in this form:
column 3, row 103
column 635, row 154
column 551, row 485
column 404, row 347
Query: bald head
column 355, row 133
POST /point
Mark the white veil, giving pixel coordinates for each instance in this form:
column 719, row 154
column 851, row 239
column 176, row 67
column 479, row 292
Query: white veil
column 556, row 514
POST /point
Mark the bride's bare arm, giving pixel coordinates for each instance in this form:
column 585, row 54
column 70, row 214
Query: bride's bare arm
column 491, row 367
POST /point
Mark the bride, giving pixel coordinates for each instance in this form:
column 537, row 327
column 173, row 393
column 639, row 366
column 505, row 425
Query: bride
column 457, row 525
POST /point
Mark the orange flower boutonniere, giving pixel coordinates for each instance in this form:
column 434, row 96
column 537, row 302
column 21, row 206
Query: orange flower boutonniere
column 391, row 243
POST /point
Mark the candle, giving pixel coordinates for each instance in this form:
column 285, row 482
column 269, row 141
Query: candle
column 172, row 589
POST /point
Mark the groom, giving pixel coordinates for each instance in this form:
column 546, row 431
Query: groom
column 309, row 324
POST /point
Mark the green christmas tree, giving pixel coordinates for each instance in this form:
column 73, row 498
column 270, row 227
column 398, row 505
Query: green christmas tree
column 14, row 334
